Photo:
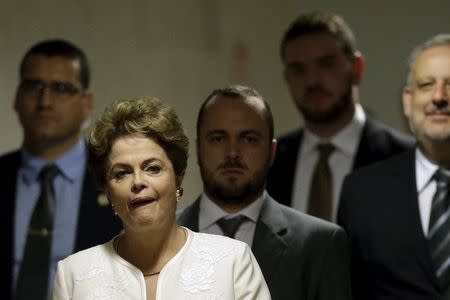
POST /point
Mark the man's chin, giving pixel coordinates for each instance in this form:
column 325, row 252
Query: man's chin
column 438, row 135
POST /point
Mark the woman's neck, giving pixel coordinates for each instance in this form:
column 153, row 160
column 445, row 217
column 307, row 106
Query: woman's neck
column 150, row 251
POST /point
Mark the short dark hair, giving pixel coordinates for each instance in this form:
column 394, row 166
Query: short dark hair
column 237, row 91
column 60, row 47
column 320, row 22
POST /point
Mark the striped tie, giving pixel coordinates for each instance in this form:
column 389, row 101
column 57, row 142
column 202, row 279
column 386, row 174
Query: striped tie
column 439, row 228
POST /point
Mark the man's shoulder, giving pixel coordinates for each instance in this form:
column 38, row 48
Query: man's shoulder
column 381, row 170
column 379, row 132
column 373, row 188
column 307, row 237
column 299, row 222
column 290, row 137
column 11, row 156
column 10, row 162
column 187, row 215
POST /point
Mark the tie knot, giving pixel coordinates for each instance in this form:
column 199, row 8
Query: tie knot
column 48, row 172
column 230, row 226
column 442, row 177
column 325, row 149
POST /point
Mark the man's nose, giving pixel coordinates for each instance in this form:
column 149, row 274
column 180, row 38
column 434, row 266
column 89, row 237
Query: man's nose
column 233, row 149
column 441, row 94
column 45, row 96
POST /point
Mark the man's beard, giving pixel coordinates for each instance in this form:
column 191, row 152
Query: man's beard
column 233, row 193
column 335, row 112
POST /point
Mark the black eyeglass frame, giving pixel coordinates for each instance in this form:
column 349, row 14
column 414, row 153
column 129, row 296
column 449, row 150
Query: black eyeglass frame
column 61, row 88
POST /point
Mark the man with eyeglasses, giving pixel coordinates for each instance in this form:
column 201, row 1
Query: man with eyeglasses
column 52, row 103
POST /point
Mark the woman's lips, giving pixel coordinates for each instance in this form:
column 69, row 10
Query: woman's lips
column 141, row 201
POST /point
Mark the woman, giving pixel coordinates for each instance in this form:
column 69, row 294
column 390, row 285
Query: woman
column 138, row 152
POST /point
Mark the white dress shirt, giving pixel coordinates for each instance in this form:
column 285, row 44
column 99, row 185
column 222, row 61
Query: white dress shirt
column 340, row 161
column 426, row 187
column 210, row 213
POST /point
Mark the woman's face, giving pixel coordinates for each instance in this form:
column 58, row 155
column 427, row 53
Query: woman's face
column 141, row 183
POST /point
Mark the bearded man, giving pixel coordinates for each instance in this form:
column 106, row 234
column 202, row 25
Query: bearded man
column 301, row 257
column 323, row 71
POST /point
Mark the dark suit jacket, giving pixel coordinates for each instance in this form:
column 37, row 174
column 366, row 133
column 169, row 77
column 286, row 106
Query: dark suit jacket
column 378, row 142
column 380, row 213
column 301, row 257
column 96, row 224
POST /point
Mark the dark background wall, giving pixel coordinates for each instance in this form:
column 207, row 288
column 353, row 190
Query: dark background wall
column 179, row 51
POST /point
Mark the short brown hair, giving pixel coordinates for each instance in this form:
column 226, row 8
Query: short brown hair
column 320, row 22
column 147, row 116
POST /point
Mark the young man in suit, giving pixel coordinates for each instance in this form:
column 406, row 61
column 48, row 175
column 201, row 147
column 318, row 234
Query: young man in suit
column 396, row 212
column 323, row 70
column 52, row 102
column 301, row 257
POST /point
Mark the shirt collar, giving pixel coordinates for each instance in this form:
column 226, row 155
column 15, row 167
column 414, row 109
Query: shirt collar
column 344, row 140
column 425, row 170
column 210, row 212
column 71, row 164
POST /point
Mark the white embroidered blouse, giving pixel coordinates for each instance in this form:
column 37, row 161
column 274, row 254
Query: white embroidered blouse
column 206, row 267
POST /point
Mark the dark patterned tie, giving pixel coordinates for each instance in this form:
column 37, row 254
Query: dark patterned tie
column 321, row 190
column 34, row 272
column 230, row 226
column 439, row 228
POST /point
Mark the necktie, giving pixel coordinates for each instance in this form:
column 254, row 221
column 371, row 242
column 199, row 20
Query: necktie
column 321, row 190
column 34, row 272
column 439, row 228
column 230, row 226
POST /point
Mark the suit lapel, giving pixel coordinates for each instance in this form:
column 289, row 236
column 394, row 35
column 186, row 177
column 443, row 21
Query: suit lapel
column 404, row 201
column 282, row 173
column 11, row 164
column 189, row 216
column 96, row 221
column 366, row 152
column 268, row 243
column 412, row 213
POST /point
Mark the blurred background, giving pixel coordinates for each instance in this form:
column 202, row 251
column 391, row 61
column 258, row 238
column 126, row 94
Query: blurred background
column 179, row 51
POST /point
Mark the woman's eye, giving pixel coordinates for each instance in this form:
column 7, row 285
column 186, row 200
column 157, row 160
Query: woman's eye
column 154, row 169
column 119, row 174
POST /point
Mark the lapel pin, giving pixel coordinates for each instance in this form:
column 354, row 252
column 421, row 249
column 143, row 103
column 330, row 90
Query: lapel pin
column 102, row 200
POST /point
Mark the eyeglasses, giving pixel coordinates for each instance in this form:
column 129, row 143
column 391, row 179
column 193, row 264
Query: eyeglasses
column 59, row 88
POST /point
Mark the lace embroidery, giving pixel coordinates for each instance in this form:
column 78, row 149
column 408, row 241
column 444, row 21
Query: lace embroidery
column 111, row 285
column 199, row 274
